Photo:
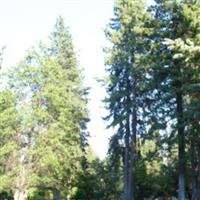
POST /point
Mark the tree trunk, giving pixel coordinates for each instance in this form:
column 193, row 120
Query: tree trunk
column 181, row 146
column 196, row 193
column 20, row 195
column 130, row 143
column 57, row 196
column 194, row 167
column 132, row 156
column 127, row 160
column 196, row 186
column 21, row 192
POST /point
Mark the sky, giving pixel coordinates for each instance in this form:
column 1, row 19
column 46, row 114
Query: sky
column 24, row 23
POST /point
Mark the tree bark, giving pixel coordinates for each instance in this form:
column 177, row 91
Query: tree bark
column 196, row 190
column 132, row 156
column 181, row 146
column 127, row 160
column 21, row 194
column 130, row 141
column 133, row 146
column 198, row 176
column 194, row 167
column 57, row 196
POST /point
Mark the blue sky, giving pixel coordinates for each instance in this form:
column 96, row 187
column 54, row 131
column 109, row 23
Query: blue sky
column 24, row 23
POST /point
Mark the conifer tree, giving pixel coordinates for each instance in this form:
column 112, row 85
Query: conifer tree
column 172, row 74
column 187, row 48
column 9, row 140
column 126, row 85
column 52, row 103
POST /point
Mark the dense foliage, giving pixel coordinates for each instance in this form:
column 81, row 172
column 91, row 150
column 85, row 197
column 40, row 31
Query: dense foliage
column 43, row 121
column 153, row 101
column 153, row 70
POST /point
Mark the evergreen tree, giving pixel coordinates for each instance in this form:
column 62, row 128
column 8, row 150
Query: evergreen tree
column 10, row 138
column 52, row 102
column 97, row 180
column 169, row 75
column 127, row 78
column 187, row 49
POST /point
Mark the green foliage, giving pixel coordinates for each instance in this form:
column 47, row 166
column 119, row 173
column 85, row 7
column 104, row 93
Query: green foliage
column 51, row 101
column 127, row 86
column 153, row 93
column 97, row 180
column 153, row 68
column 9, row 139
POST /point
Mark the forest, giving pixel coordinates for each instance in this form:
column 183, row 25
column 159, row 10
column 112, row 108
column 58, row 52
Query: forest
column 152, row 64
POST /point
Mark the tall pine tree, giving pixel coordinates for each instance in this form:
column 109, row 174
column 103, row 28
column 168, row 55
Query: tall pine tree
column 126, row 86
